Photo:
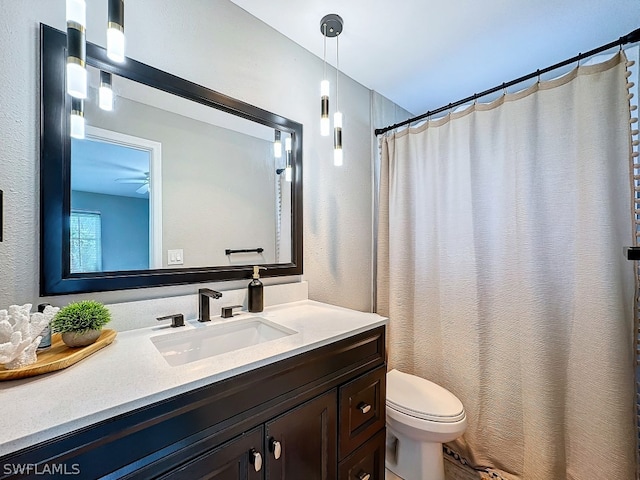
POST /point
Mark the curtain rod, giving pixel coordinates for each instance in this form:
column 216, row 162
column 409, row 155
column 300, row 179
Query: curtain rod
column 629, row 38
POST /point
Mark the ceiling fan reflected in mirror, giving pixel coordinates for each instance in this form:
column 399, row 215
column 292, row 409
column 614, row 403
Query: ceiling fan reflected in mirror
column 143, row 181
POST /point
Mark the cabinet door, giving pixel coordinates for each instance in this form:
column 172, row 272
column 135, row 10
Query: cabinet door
column 238, row 459
column 302, row 443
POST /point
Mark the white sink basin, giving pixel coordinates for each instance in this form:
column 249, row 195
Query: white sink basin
column 191, row 345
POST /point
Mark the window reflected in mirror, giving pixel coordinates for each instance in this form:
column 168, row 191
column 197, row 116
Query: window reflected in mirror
column 86, row 241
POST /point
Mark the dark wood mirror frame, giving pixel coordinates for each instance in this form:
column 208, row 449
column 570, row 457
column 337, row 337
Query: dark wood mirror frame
column 55, row 177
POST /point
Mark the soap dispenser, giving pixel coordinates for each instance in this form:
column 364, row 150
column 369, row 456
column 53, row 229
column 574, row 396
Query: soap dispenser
column 256, row 297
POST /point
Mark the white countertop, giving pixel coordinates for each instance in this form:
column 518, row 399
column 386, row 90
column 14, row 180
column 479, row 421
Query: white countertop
column 131, row 373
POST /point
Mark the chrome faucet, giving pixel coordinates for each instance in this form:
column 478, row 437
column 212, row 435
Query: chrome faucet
column 204, row 294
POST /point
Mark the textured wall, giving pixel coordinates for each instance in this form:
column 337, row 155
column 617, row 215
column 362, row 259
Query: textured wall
column 216, row 44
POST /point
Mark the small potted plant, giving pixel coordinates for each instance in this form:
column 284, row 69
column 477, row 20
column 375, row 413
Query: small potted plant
column 80, row 323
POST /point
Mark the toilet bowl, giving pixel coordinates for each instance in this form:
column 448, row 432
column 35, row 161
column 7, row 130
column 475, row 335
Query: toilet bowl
column 421, row 416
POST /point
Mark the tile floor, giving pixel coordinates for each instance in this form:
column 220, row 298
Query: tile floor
column 452, row 471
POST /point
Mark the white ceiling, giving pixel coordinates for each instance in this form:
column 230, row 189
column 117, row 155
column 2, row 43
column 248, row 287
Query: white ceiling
column 424, row 54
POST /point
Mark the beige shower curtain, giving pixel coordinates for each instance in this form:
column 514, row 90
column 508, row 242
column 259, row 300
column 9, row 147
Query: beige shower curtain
column 501, row 268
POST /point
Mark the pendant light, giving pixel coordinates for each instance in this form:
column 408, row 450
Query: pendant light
column 277, row 144
column 288, row 174
column 330, row 26
column 105, row 92
column 337, row 120
column 76, row 48
column 77, row 118
column 115, row 31
column 324, row 89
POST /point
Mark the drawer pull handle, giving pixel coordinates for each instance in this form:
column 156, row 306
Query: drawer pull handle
column 364, row 407
column 275, row 448
column 363, row 476
column 256, row 459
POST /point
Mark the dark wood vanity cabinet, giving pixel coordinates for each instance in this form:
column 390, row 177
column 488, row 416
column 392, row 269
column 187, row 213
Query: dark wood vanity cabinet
column 317, row 415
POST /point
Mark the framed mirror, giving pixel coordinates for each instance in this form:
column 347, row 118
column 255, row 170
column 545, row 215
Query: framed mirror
column 170, row 182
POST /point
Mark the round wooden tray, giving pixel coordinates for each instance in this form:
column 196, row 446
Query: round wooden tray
column 57, row 357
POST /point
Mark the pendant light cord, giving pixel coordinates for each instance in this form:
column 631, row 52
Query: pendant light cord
column 324, row 57
column 337, row 70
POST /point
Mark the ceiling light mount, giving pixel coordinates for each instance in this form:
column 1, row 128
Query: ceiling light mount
column 331, row 25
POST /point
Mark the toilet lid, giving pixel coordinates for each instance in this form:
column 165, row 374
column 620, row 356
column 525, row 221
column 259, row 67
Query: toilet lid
column 421, row 398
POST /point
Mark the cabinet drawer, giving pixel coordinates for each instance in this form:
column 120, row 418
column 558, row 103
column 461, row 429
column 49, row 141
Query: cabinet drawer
column 367, row 462
column 362, row 409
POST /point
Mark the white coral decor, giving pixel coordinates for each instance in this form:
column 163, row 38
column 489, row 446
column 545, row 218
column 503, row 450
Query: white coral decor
column 20, row 334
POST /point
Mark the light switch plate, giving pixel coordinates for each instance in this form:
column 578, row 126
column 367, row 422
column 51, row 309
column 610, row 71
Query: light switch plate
column 175, row 257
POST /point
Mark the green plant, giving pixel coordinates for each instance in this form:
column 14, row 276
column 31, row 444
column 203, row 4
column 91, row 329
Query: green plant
column 80, row 317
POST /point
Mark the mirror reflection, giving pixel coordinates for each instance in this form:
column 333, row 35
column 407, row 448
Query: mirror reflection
column 162, row 182
column 173, row 183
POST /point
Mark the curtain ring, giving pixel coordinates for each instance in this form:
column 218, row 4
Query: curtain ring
column 504, row 88
column 538, row 73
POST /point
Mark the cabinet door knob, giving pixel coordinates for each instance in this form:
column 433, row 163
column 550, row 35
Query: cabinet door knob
column 364, row 407
column 256, row 459
column 275, row 448
column 363, row 476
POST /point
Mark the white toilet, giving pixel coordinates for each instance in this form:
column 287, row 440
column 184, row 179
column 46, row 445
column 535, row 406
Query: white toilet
column 421, row 416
